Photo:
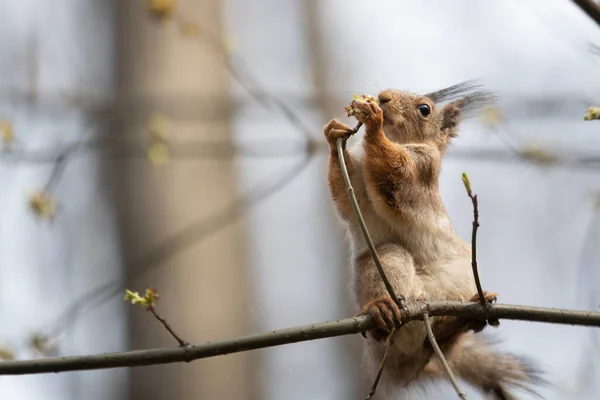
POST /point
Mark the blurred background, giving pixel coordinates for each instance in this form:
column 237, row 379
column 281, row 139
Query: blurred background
column 179, row 145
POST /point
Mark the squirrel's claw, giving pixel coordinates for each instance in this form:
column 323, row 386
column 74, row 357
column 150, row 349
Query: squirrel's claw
column 386, row 315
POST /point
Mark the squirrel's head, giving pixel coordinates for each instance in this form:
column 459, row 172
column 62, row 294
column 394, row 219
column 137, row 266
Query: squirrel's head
column 413, row 118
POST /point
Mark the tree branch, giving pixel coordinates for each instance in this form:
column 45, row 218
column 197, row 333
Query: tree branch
column 413, row 311
column 590, row 8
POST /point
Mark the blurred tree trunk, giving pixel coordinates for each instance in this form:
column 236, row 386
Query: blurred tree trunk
column 203, row 287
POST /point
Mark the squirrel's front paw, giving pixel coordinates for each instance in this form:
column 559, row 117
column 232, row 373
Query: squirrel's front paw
column 386, row 314
column 369, row 113
column 335, row 130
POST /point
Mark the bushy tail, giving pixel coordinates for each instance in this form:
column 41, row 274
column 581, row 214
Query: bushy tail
column 474, row 360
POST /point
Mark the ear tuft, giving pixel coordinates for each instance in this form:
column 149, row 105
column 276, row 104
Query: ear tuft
column 453, row 92
column 474, row 102
column 451, row 117
column 466, row 99
column 469, row 96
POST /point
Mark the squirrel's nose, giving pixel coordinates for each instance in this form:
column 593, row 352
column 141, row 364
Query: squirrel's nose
column 384, row 96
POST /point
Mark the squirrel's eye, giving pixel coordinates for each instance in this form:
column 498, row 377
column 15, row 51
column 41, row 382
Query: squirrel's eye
column 424, row 109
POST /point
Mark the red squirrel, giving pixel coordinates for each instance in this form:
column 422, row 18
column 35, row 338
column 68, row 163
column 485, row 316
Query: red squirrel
column 396, row 182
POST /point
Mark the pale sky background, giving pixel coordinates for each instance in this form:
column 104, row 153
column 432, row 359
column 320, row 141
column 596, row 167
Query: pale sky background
column 538, row 231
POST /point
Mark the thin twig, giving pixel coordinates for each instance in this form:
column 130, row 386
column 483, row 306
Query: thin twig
column 60, row 164
column 181, row 342
column 57, row 170
column 473, row 198
column 413, row 311
column 361, row 220
column 389, row 344
column 474, row 248
column 441, row 358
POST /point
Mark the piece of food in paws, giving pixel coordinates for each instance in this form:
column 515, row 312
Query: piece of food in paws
column 364, row 97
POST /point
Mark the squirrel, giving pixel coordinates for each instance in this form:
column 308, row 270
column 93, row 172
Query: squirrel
column 396, row 183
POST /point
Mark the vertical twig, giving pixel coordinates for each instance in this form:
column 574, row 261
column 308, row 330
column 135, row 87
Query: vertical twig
column 474, row 248
column 467, row 183
column 372, row 249
column 441, row 357
column 389, row 344
column 361, row 220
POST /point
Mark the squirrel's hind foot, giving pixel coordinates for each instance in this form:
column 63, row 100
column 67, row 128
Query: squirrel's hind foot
column 489, row 297
column 477, row 325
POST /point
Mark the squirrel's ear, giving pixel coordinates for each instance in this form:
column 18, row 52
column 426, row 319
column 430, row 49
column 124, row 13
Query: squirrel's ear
column 453, row 112
column 451, row 117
